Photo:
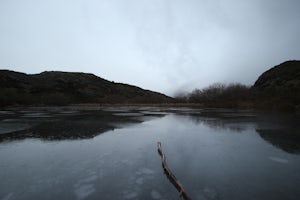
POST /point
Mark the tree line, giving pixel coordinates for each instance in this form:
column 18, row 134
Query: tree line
column 237, row 95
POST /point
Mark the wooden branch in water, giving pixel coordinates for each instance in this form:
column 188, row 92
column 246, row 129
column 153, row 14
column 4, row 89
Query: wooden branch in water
column 171, row 176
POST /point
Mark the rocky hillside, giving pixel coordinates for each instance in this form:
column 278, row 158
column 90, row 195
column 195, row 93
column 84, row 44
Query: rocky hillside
column 285, row 75
column 63, row 88
column 279, row 87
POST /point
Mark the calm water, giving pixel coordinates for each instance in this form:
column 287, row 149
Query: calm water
column 111, row 153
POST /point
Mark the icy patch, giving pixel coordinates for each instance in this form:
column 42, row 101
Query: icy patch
column 86, row 180
column 139, row 181
column 209, row 193
column 84, row 187
column 12, row 127
column 277, row 159
column 130, row 195
column 89, row 179
column 2, row 112
column 10, row 120
column 8, row 196
column 116, row 109
column 35, row 115
column 155, row 194
column 145, row 171
column 154, row 113
column 84, row 191
column 128, row 114
column 69, row 112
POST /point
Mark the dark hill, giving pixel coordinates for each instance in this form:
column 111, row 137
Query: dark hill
column 285, row 75
column 62, row 88
column 279, row 87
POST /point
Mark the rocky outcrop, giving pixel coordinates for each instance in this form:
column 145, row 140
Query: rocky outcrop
column 285, row 75
column 279, row 87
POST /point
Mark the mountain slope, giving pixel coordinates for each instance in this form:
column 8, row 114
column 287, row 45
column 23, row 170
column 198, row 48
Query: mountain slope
column 285, row 75
column 62, row 88
column 279, row 87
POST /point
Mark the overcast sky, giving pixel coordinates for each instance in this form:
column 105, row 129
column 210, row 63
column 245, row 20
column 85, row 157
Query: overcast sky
column 161, row 45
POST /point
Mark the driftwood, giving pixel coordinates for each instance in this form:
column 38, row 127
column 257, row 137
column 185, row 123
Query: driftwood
column 171, row 176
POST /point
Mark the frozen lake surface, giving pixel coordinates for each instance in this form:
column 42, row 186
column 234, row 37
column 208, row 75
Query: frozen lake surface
column 111, row 153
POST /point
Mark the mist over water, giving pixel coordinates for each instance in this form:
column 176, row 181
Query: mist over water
column 216, row 154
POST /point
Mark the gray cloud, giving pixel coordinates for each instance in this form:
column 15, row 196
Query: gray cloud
column 161, row 45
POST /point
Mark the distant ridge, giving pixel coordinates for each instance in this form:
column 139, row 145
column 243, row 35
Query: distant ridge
column 64, row 88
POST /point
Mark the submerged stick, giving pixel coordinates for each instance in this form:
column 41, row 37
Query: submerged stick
column 171, row 176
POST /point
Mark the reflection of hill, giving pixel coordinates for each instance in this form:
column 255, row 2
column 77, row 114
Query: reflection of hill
column 87, row 124
column 281, row 131
column 222, row 118
column 287, row 140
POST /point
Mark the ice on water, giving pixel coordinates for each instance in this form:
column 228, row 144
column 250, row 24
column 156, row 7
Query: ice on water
column 84, row 191
column 279, row 160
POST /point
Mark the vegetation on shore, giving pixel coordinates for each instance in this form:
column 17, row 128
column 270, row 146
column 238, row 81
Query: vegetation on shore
column 276, row 89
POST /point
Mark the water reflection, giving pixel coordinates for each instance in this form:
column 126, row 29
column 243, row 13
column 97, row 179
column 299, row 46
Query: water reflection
column 57, row 124
column 216, row 154
column 282, row 131
column 287, row 140
column 233, row 120
column 279, row 129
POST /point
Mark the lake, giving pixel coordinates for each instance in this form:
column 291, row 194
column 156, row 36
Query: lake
column 111, row 153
